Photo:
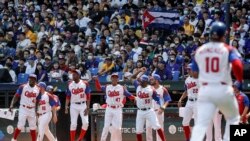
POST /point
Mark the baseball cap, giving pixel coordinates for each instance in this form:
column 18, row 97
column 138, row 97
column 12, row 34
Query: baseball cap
column 156, row 77
column 76, row 71
column 237, row 84
column 32, row 76
column 47, row 57
column 32, row 58
column 144, row 78
column 114, row 74
column 49, row 88
column 42, row 85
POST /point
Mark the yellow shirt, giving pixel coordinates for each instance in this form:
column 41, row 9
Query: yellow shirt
column 32, row 36
column 189, row 29
column 105, row 67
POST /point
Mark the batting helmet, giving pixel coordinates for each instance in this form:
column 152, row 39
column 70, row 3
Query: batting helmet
column 42, row 85
column 218, row 28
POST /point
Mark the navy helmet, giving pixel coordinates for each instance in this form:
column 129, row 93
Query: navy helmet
column 218, row 28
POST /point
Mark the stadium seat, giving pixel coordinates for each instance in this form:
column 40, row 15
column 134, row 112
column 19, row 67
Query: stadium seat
column 120, row 74
column 93, row 71
column 175, row 75
column 22, row 78
column 103, row 78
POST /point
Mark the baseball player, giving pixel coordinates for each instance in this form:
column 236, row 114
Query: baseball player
column 46, row 104
column 78, row 95
column 50, row 89
column 115, row 94
column 216, row 123
column 191, row 91
column 243, row 103
column 28, row 94
column 212, row 66
column 165, row 98
column 144, row 101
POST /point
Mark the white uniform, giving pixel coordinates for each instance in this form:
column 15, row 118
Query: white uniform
column 27, row 111
column 144, row 102
column 113, row 113
column 77, row 92
column 191, row 85
column 215, row 91
column 216, row 123
column 164, row 96
column 45, row 102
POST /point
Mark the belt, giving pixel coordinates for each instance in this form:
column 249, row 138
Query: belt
column 39, row 114
column 205, row 83
column 28, row 107
column 192, row 99
column 79, row 102
column 144, row 109
column 114, row 106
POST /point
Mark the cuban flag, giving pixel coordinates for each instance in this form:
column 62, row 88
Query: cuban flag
column 161, row 19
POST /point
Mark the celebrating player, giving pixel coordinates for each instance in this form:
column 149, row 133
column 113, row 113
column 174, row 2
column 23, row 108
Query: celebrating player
column 46, row 104
column 114, row 98
column 164, row 98
column 212, row 64
column 144, row 101
column 243, row 103
column 191, row 86
column 78, row 94
column 28, row 94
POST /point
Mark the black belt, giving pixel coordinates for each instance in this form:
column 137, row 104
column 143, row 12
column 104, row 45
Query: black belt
column 144, row 109
column 80, row 102
column 41, row 113
column 192, row 99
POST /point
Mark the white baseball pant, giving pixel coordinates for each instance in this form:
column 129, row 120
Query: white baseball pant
column 216, row 123
column 75, row 110
column 149, row 135
column 141, row 118
column 211, row 97
column 26, row 114
column 43, row 127
column 190, row 111
column 112, row 123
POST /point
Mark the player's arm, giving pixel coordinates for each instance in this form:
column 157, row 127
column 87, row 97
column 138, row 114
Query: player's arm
column 195, row 69
column 16, row 97
column 98, row 85
column 128, row 94
column 237, row 66
column 166, row 99
column 53, row 105
column 246, row 108
column 87, row 92
column 156, row 98
column 58, row 107
column 68, row 95
column 183, row 96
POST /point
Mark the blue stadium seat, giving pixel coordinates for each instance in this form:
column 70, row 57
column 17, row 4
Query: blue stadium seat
column 22, row 78
column 102, row 78
column 93, row 71
column 175, row 75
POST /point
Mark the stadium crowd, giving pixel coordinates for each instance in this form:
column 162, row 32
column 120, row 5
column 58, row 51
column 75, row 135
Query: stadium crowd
column 52, row 37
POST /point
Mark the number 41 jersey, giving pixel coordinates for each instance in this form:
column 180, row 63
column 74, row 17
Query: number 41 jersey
column 213, row 61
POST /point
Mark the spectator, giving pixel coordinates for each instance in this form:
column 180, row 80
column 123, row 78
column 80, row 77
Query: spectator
column 11, row 71
column 56, row 74
column 29, row 34
column 21, row 67
column 39, row 58
column 118, row 64
column 42, row 33
column 139, row 65
column 23, row 42
column 47, row 63
column 85, row 73
column 62, row 63
column 129, row 66
column 31, row 66
column 163, row 71
column 106, row 67
column 82, row 21
column 189, row 29
column 72, row 58
column 41, row 73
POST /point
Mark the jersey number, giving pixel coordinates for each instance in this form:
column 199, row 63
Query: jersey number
column 195, row 91
column 212, row 64
column 147, row 101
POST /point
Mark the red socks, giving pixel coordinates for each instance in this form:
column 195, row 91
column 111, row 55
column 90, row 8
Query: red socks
column 139, row 137
column 82, row 134
column 187, row 132
column 16, row 133
column 33, row 135
column 161, row 134
column 72, row 135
